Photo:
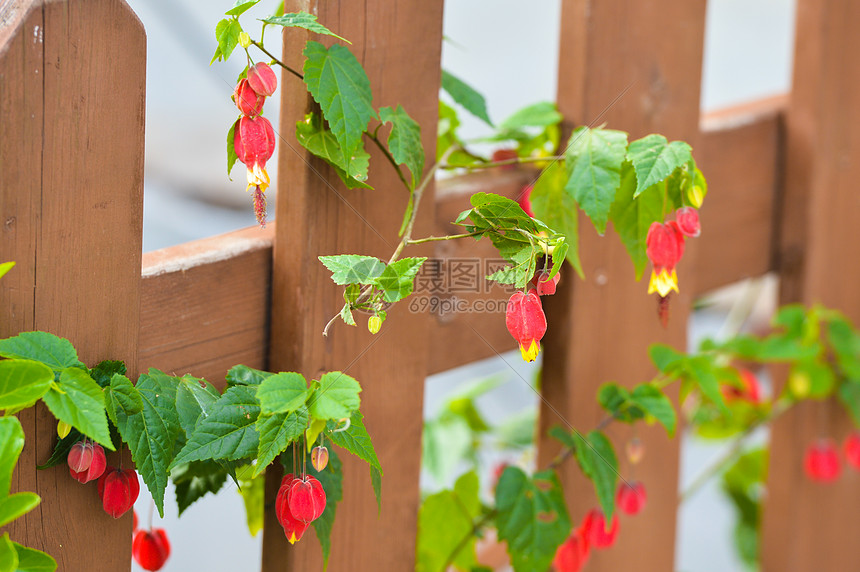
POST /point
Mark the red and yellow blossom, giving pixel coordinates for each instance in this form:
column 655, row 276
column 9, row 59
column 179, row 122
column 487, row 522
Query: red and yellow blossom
column 526, row 322
column 664, row 246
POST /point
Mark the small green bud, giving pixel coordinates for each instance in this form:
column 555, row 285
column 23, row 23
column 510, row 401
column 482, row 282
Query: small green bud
column 63, row 429
column 244, row 39
column 374, row 323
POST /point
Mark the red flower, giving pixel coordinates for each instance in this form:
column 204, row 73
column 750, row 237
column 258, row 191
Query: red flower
column 150, row 549
column 254, row 143
column 688, row 221
column 247, row 100
column 821, row 461
column 664, row 246
column 525, row 201
column 545, row 285
column 526, row 322
column 89, row 458
column 262, row 79
column 751, row 390
column 293, row 528
column 572, row 555
column 118, row 490
column 631, row 497
column 595, row 529
column 852, row 449
column 306, row 499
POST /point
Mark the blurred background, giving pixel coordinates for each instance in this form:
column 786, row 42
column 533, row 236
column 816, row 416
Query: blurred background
column 748, row 55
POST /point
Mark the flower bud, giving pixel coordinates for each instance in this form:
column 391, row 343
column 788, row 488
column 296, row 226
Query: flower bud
column 96, row 465
column 150, row 549
column 525, row 200
column 595, row 529
column 306, row 499
column 293, row 528
column 664, row 246
column 635, row 450
column 688, row 221
column 696, row 195
column 821, row 462
column 244, row 39
column 852, row 449
column 80, row 456
column 545, row 284
column 573, row 553
column 526, row 322
column 374, row 323
column 750, row 390
column 319, row 458
column 247, row 100
column 118, row 490
column 630, row 497
column 262, row 79
column 254, row 141
column 63, row 429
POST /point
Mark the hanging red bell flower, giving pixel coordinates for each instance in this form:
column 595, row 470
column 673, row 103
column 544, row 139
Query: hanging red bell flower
column 293, row 528
column 89, row 458
column 247, row 100
column 262, row 79
column 526, row 322
column 595, row 529
column 150, row 548
column 852, row 449
column 254, row 143
column 118, row 490
column 573, row 553
column 664, row 246
column 688, row 221
column 821, row 461
column 631, row 497
column 545, row 285
column 525, row 200
column 306, row 499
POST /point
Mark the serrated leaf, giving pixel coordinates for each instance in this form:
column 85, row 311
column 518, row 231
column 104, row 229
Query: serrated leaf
column 445, row 444
column 22, row 382
column 598, row 462
column 240, row 7
column 654, row 159
column 152, row 433
column 276, row 433
column 337, row 82
column 244, row 375
column 227, row 34
column 346, row 315
column 553, row 205
column 232, row 157
column 8, row 554
column 302, row 20
column 61, row 450
column 228, row 432
column 195, row 480
column 404, row 142
column 541, row 114
column 282, row 393
column 666, row 358
column 466, row 96
column 849, row 395
column 353, row 268
column 593, row 158
column 79, row 401
column 355, row 439
column 336, row 396
column 194, row 400
column 531, row 517
column 105, row 370
column 376, row 483
column 398, row 278
column 655, row 403
column 701, row 370
column 314, row 137
column 444, row 520
column 32, row 560
column 121, row 395
column 632, row 218
column 17, row 505
column 55, row 352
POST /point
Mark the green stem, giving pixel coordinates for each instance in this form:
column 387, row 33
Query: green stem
column 448, row 237
column 478, row 524
column 260, row 47
column 494, row 164
column 373, row 137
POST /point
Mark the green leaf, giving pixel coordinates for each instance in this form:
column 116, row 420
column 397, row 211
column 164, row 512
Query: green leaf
column 22, row 382
column 356, row 440
column 240, row 7
column 61, row 450
column 302, row 20
column 397, row 280
column 56, row 353
column 849, row 395
column 376, row 483
column 336, row 396
column 194, row 400
column 105, row 370
column 152, row 433
column 339, row 84
column 253, row 491
column 121, row 395
column 846, row 343
column 541, row 114
column 282, row 393
column 654, row 159
column 594, row 158
column 444, row 520
column 353, row 268
column 79, row 401
column 466, row 96
column 346, row 315
column 227, row 33
column 244, row 375
column 32, row 560
column 822, row 380
column 655, row 403
column 277, row 432
column 195, row 480
column 701, row 370
column 598, row 462
column 633, row 217
column 666, row 358
column 232, row 157
column 17, row 505
column 616, row 401
column 228, row 432
column 6, row 267
column 404, row 142
column 446, row 442
column 8, row 554
column 532, row 517
column 557, row 208
column 314, row 137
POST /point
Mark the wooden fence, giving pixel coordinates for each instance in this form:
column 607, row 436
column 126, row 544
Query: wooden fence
column 782, row 174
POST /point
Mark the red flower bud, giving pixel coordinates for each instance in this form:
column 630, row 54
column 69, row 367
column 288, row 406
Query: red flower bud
column 500, row 155
column 254, row 141
column 306, row 499
column 118, row 490
column 852, row 449
column 262, row 79
column 247, row 100
column 664, row 246
column 150, row 549
column 526, row 322
column 821, row 461
column 293, row 528
column 96, row 465
column 525, row 201
column 751, row 390
column 572, row 555
column 631, row 497
column 635, row 450
column 545, row 285
column 319, row 458
column 688, row 221
column 80, row 456
column 595, row 529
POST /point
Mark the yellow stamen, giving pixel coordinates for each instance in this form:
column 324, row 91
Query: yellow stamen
column 258, row 177
column 531, row 353
column 292, row 538
column 663, row 283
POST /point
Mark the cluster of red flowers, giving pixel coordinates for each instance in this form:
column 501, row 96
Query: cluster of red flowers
column 254, row 138
column 821, row 461
column 524, row 315
column 664, row 246
column 118, row 489
column 301, row 499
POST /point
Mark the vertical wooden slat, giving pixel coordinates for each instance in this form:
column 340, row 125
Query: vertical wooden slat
column 71, row 177
column 636, row 66
column 809, row 526
column 399, row 45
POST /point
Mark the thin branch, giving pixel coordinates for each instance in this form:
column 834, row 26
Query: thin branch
column 373, row 137
column 493, row 164
column 448, row 237
column 276, row 60
column 478, row 524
